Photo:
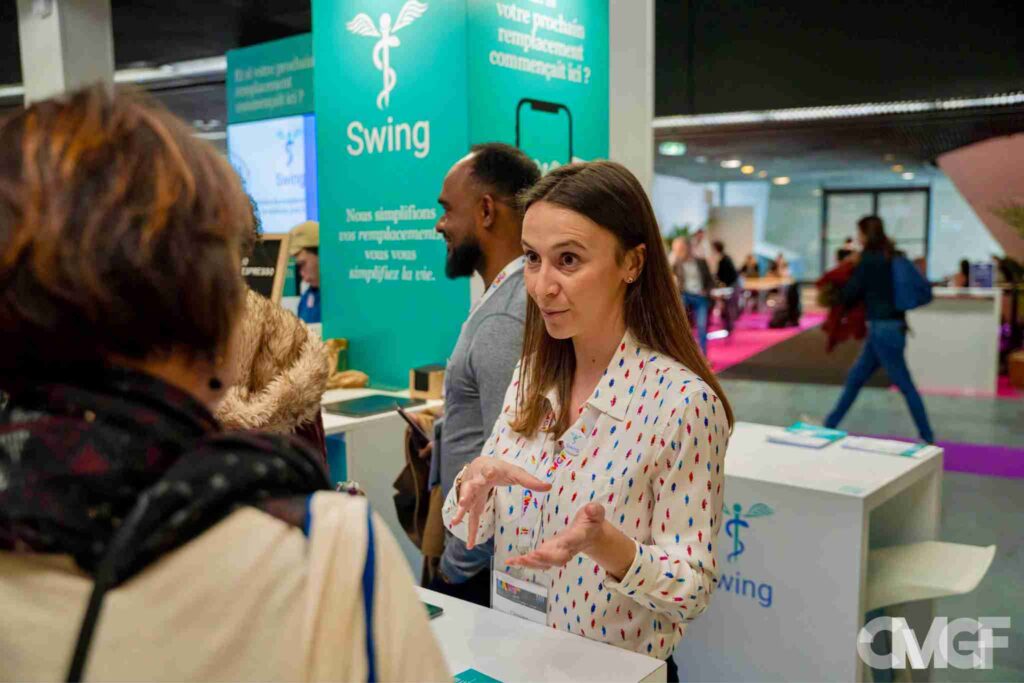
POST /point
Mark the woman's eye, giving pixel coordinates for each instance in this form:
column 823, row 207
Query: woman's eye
column 532, row 257
column 569, row 260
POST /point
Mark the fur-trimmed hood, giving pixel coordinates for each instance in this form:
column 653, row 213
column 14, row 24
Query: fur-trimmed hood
column 281, row 370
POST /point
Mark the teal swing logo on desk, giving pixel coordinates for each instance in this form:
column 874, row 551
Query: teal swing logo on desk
column 760, row 591
column 739, row 521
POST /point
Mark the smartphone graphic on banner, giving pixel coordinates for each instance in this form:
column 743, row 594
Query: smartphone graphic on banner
column 544, row 132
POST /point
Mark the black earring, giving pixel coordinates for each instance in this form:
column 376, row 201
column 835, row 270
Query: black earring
column 216, row 384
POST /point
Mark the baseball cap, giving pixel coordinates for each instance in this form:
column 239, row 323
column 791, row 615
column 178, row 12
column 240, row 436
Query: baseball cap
column 303, row 236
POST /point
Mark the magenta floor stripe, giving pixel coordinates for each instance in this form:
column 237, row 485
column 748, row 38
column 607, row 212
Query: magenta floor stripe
column 976, row 458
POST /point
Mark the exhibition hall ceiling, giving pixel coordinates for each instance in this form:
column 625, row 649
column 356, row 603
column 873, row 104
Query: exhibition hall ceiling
column 832, row 148
column 739, row 55
column 726, row 55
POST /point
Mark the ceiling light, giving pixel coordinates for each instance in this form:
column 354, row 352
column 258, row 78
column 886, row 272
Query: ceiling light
column 762, row 174
column 747, row 170
column 838, row 112
column 908, row 176
column 781, row 180
column 898, row 168
column 732, row 163
column 672, row 149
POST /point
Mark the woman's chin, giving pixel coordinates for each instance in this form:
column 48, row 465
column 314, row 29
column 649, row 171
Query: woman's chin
column 557, row 331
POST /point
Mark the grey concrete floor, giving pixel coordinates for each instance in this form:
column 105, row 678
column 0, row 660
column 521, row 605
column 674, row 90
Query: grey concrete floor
column 975, row 509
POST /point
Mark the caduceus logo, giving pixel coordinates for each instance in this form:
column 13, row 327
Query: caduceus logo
column 739, row 521
column 362, row 25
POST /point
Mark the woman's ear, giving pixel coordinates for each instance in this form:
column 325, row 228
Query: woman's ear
column 636, row 259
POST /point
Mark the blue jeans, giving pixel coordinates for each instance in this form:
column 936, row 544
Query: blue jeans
column 884, row 347
column 701, row 306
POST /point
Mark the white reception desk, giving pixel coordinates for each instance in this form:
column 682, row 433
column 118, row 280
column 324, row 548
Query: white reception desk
column 953, row 347
column 793, row 587
column 512, row 649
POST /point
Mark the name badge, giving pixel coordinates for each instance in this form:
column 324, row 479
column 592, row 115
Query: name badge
column 519, row 598
column 573, row 442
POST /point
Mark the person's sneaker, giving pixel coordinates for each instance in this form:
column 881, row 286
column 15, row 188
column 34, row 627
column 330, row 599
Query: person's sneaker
column 813, row 420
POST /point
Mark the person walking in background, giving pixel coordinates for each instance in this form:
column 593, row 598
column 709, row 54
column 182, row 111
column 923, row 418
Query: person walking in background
column 729, row 277
column 693, row 278
column 872, row 283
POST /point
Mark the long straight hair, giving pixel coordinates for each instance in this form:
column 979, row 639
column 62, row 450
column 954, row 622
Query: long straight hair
column 610, row 196
column 875, row 238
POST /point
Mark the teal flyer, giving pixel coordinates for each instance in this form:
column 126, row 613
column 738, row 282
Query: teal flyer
column 391, row 118
column 474, row 676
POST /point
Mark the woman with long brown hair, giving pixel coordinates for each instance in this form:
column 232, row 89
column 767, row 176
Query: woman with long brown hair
column 602, row 481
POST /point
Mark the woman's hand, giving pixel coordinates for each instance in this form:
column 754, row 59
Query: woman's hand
column 480, row 477
column 578, row 538
column 589, row 534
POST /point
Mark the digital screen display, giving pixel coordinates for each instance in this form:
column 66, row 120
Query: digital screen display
column 276, row 160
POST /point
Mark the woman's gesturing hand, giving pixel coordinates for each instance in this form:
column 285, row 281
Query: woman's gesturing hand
column 482, row 475
column 578, row 538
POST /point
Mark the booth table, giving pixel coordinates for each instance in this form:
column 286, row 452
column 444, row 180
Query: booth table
column 512, row 649
column 375, row 455
column 953, row 346
column 793, row 587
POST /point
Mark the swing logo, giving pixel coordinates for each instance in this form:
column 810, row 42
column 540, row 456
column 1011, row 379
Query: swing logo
column 762, row 592
column 390, row 136
column 362, row 25
column 738, row 522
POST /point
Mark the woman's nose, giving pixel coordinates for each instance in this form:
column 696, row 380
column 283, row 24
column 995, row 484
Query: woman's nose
column 545, row 284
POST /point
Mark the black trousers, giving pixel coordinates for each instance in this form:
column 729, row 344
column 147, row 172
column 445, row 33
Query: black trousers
column 673, row 670
column 477, row 590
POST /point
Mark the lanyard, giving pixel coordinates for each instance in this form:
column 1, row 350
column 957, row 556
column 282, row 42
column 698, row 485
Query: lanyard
column 509, row 270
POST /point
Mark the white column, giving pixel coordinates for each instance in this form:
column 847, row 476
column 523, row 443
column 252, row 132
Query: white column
column 631, row 86
column 65, row 45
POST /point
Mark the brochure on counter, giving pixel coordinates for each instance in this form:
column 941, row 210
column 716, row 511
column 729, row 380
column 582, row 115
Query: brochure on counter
column 806, row 436
column 884, row 446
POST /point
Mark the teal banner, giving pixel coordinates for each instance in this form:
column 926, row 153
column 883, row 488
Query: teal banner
column 538, row 77
column 391, row 107
column 403, row 88
column 270, row 80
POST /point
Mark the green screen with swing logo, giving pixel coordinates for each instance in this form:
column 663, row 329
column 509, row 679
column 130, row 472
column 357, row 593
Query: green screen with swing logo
column 538, row 74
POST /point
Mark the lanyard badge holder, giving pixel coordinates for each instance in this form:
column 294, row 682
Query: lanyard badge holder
column 513, row 594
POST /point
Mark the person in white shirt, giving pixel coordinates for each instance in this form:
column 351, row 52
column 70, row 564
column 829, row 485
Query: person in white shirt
column 601, row 483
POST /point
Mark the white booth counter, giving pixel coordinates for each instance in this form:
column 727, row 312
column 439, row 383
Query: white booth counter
column 793, row 555
column 509, row 649
column 375, row 455
column 953, row 347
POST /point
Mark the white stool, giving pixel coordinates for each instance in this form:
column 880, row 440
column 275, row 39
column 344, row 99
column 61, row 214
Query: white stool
column 923, row 571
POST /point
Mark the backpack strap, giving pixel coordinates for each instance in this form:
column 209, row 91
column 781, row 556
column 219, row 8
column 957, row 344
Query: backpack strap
column 369, row 578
